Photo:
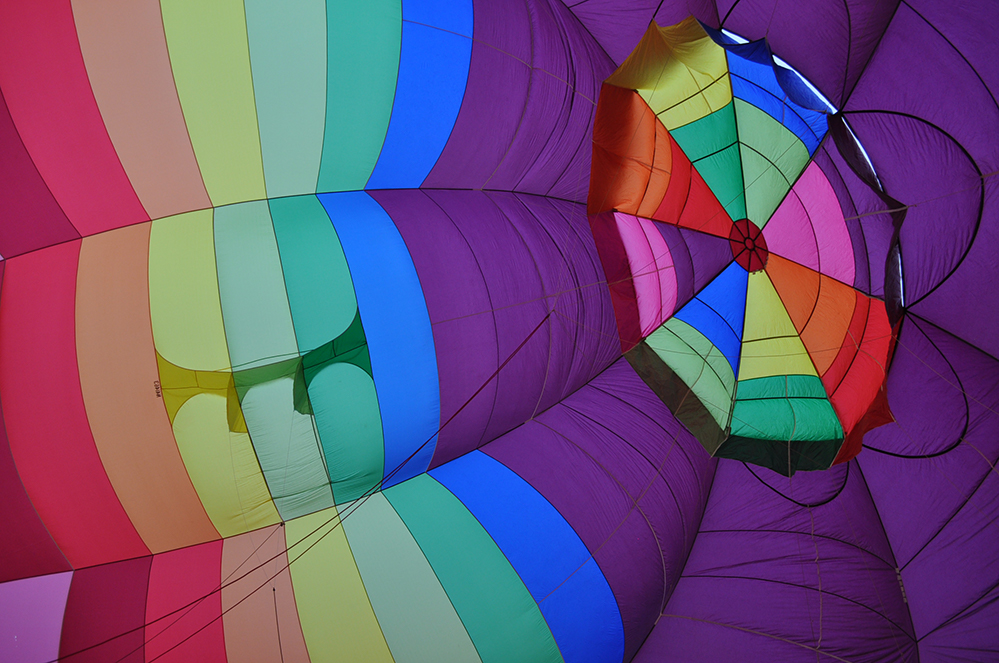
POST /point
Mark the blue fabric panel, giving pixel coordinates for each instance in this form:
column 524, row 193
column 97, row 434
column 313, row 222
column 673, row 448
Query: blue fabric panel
column 546, row 553
column 397, row 326
column 757, row 83
column 718, row 312
column 433, row 70
column 451, row 15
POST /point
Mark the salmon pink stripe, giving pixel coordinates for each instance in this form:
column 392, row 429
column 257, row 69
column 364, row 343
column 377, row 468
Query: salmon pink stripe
column 47, row 424
column 651, row 268
column 49, row 96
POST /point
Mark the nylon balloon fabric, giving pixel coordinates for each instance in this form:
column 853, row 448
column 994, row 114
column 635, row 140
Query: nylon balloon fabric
column 498, row 331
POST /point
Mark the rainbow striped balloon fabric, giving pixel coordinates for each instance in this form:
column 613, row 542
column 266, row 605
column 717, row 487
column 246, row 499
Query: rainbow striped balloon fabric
column 498, row 331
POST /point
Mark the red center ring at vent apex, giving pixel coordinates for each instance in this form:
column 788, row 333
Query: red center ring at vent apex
column 748, row 245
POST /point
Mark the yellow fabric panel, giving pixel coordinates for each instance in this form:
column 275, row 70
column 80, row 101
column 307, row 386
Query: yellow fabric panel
column 337, row 619
column 223, row 466
column 770, row 342
column 679, row 71
column 210, row 58
column 183, row 293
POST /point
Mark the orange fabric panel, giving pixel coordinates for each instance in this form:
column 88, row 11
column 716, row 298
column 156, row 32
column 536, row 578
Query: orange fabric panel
column 624, row 146
column 659, row 178
column 251, row 628
column 121, row 392
column 821, row 308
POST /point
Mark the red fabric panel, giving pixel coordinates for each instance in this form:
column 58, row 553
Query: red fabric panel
column 614, row 260
column 689, row 202
column 834, row 375
column 31, row 217
column 48, row 93
column 177, row 578
column 106, row 602
column 868, row 371
column 47, row 425
column 26, row 549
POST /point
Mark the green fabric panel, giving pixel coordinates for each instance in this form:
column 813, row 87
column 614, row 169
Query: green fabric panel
column 710, row 143
column 413, row 610
column 336, row 616
column 364, row 43
column 794, row 386
column 320, row 289
column 349, row 423
column 722, row 172
column 777, row 454
column 765, row 409
column 772, row 159
column 258, row 327
column 700, row 365
column 287, row 448
column 288, row 62
column 210, row 61
column 708, row 135
column 504, row 622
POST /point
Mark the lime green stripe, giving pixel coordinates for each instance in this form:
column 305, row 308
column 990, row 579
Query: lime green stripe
column 211, row 66
column 320, row 289
column 288, row 54
column 498, row 612
column 183, row 292
column 772, row 159
column 364, row 43
column 333, row 608
column 701, row 366
column 415, row 614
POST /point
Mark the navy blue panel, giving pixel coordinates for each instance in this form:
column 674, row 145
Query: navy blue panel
column 547, row 554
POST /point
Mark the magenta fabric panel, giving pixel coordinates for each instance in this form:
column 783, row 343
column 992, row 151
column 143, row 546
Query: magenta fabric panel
column 627, row 477
column 32, row 611
column 31, row 218
column 783, row 569
column 487, row 263
column 45, row 84
column 105, row 613
column 184, row 606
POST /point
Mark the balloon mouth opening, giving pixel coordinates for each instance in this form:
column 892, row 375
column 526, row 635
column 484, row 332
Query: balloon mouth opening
column 749, row 248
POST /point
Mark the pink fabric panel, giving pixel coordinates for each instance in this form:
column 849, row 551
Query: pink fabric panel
column 32, row 612
column 48, row 93
column 652, row 270
column 47, row 424
column 176, row 579
column 789, row 233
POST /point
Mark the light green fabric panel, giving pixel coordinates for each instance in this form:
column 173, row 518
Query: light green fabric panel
column 320, row 289
column 345, row 407
column 701, row 366
column 333, row 608
column 364, row 43
column 785, row 408
column 414, row 612
column 255, row 311
column 288, row 60
column 772, row 159
column 498, row 612
column 210, row 60
column 287, row 448
column 710, row 144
